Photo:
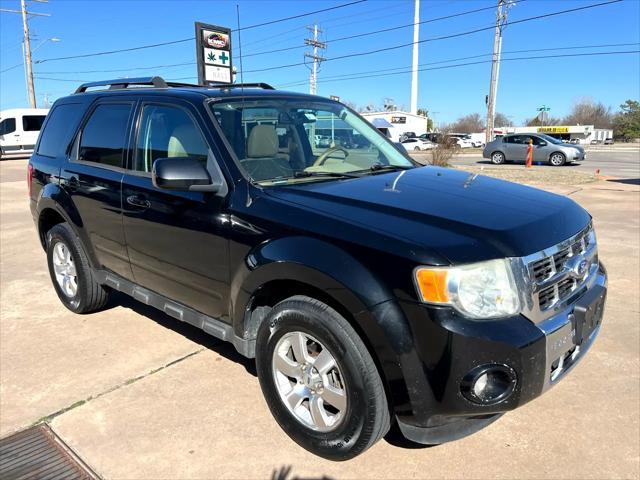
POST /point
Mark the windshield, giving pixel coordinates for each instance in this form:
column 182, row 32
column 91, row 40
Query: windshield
column 549, row 139
column 290, row 140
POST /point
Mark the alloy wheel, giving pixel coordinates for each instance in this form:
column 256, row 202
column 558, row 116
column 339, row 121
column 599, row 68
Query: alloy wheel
column 65, row 270
column 309, row 381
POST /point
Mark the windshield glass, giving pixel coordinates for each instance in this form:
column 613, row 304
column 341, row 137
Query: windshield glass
column 291, row 140
column 549, row 139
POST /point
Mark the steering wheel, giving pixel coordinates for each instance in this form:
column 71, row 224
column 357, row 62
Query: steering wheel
column 323, row 157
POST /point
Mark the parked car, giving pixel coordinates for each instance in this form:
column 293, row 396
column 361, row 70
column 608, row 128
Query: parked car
column 608, row 141
column 477, row 143
column 19, row 129
column 369, row 289
column 461, row 142
column 407, row 135
column 546, row 149
column 595, row 142
column 575, row 141
column 418, row 144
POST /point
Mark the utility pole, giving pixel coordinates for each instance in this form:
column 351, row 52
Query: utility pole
column 501, row 21
column 27, row 54
column 316, row 44
column 27, row 45
column 414, row 66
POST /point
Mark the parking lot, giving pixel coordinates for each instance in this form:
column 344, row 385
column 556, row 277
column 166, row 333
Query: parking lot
column 137, row 394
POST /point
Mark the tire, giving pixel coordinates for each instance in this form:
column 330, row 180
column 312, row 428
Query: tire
column 498, row 158
column 416, row 149
column 557, row 159
column 362, row 416
column 65, row 256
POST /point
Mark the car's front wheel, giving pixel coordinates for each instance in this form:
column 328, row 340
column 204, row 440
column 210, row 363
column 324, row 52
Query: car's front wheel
column 557, row 159
column 416, row 149
column 497, row 158
column 319, row 380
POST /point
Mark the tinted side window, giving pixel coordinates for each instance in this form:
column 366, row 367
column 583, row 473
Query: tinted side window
column 8, row 125
column 62, row 123
column 103, row 137
column 32, row 123
column 167, row 132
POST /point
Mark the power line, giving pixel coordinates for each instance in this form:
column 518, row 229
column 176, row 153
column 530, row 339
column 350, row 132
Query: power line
column 576, row 47
column 444, row 37
column 444, row 67
column 384, row 30
column 361, row 75
column 183, row 40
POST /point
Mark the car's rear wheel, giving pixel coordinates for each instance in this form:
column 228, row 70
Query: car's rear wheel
column 497, row 158
column 70, row 272
column 557, row 159
column 319, row 380
column 416, row 149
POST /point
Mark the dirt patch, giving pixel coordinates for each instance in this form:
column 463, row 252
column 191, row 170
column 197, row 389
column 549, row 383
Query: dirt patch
column 532, row 176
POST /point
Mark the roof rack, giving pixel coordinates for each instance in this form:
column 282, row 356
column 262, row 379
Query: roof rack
column 159, row 82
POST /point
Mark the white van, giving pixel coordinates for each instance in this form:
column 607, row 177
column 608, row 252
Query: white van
column 19, row 130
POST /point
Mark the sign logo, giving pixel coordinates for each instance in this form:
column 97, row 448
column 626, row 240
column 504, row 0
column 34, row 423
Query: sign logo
column 553, row 129
column 216, row 40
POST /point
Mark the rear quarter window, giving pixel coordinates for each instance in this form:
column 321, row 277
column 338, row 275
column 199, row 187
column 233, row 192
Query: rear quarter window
column 62, row 123
column 8, row 125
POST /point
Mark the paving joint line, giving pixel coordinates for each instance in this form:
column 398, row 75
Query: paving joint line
column 48, row 418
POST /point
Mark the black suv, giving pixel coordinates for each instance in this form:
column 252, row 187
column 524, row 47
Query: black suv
column 371, row 291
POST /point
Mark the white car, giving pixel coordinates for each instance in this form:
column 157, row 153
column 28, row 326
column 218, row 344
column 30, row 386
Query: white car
column 417, row 144
column 19, row 130
column 463, row 142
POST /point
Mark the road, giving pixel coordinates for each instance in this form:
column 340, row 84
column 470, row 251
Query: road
column 624, row 164
column 138, row 395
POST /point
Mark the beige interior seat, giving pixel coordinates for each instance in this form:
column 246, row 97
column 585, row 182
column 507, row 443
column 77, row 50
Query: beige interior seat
column 185, row 141
column 263, row 160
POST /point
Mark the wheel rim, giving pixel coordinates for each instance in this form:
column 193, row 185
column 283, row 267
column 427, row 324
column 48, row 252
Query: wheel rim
column 557, row 159
column 497, row 158
column 309, row 381
column 65, row 270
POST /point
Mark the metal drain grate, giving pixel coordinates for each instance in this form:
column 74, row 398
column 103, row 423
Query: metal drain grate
column 38, row 453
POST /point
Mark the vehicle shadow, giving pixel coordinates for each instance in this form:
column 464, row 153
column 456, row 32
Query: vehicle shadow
column 395, row 438
column 626, row 181
column 196, row 335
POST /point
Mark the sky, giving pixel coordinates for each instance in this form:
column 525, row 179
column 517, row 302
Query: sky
column 445, row 90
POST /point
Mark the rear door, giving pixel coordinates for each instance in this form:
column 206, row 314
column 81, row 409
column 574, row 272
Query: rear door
column 92, row 177
column 31, row 126
column 516, row 148
column 176, row 240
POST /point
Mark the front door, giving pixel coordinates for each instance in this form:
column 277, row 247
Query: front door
column 176, row 240
column 10, row 136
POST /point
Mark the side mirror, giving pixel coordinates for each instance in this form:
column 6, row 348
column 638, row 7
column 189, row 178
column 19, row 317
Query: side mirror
column 183, row 173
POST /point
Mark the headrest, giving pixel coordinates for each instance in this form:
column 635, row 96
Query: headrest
column 263, row 141
column 185, row 140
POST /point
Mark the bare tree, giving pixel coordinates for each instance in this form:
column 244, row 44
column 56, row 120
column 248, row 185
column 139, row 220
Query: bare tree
column 444, row 150
column 501, row 120
column 471, row 123
column 588, row 112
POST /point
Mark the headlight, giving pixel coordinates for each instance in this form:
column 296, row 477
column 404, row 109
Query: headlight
column 479, row 290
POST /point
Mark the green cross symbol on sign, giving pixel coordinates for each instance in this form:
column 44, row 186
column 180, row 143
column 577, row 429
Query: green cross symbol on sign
column 223, row 57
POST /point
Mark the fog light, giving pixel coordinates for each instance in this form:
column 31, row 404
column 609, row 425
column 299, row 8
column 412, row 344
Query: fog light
column 489, row 384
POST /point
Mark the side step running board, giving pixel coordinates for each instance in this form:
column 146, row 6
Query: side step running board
column 212, row 326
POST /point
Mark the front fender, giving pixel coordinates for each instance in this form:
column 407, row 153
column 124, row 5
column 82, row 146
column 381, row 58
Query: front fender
column 341, row 276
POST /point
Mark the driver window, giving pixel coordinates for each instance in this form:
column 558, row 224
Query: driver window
column 167, row 132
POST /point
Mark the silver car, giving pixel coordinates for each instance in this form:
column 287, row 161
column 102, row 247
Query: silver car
column 546, row 149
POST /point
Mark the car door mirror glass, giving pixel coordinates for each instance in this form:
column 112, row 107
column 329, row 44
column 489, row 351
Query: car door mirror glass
column 186, row 174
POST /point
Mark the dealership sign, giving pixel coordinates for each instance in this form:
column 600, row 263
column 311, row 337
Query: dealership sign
column 213, row 51
column 553, row 129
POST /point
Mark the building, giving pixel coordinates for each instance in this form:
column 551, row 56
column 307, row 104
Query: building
column 579, row 133
column 400, row 122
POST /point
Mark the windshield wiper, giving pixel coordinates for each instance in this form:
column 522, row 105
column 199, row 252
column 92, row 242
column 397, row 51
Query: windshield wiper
column 305, row 174
column 377, row 167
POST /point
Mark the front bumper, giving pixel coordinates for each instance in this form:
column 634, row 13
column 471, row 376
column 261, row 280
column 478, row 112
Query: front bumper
column 449, row 347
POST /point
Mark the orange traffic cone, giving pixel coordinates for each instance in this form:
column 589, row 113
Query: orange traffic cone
column 530, row 154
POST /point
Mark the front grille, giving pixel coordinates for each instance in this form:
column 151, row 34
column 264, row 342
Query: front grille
column 544, row 270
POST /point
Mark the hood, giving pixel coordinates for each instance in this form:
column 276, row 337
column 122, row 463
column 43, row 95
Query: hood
column 464, row 217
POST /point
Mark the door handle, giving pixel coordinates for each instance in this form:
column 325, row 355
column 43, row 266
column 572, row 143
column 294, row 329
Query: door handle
column 139, row 202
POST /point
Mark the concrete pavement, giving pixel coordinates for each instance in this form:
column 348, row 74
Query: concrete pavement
column 138, row 395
